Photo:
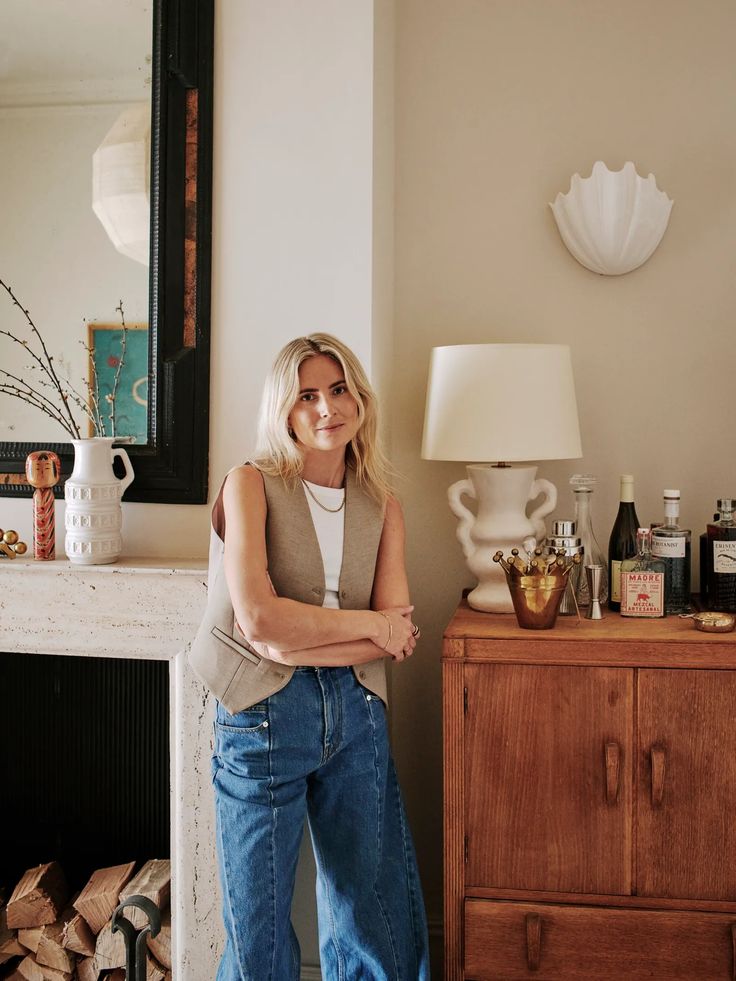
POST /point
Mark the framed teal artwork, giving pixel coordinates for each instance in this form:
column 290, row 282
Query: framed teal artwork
column 105, row 343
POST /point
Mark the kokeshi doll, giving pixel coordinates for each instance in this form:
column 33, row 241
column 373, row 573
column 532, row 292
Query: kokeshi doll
column 43, row 469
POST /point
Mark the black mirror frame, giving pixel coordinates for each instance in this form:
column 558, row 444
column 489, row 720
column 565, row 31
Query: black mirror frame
column 172, row 468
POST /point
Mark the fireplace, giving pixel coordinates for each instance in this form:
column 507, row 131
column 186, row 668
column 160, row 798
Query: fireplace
column 84, row 763
column 143, row 612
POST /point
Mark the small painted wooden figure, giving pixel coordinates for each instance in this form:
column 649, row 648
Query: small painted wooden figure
column 43, row 469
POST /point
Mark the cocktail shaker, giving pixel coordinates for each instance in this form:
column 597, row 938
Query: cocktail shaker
column 563, row 538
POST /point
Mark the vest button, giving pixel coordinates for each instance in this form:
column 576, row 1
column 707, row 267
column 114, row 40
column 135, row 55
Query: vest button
column 361, row 674
column 343, row 594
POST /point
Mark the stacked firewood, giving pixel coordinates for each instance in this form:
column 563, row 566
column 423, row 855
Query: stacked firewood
column 46, row 935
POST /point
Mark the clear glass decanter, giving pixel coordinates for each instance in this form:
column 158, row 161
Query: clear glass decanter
column 582, row 485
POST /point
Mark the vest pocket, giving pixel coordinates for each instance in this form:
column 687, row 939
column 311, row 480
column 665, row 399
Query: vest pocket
column 234, row 645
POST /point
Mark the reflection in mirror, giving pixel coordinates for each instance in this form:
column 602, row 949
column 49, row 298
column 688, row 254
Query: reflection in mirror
column 75, row 111
column 76, row 231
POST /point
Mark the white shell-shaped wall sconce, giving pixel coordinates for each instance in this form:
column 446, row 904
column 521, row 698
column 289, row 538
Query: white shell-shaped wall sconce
column 613, row 220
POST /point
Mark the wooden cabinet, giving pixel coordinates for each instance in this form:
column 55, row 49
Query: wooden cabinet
column 590, row 800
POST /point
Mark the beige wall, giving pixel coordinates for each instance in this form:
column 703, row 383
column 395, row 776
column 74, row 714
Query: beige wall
column 498, row 103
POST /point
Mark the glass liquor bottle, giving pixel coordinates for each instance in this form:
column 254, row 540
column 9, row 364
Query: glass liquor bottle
column 623, row 542
column 672, row 544
column 642, row 580
column 722, row 555
column 583, row 485
column 705, row 550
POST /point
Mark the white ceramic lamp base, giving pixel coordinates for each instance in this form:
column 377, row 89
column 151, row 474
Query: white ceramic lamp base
column 501, row 522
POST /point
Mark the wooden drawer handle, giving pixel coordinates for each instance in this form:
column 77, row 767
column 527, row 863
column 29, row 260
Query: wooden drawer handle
column 533, row 940
column 613, row 772
column 658, row 772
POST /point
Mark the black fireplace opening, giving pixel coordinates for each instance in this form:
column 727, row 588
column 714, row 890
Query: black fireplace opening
column 84, row 763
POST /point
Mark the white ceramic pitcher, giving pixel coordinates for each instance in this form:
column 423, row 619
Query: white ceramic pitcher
column 94, row 517
column 501, row 522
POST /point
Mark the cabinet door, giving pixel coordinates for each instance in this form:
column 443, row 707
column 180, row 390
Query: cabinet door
column 686, row 800
column 548, row 777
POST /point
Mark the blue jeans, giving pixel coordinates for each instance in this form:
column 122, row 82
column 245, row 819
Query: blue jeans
column 318, row 749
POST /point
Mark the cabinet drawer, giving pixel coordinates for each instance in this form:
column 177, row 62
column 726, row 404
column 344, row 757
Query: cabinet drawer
column 574, row 943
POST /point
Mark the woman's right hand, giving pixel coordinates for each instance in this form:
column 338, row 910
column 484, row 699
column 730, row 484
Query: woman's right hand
column 398, row 641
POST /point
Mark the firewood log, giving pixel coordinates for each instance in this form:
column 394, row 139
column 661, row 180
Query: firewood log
column 78, row 937
column 29, row 937
column 154, row 882
column 101, row 895
column 51, row 974
column 51, row 952
column 10, row 946
column 38, row 898
column 109, row 949
column 154, row 971
column 160, row 945
column 86, row 970
column 29, row 969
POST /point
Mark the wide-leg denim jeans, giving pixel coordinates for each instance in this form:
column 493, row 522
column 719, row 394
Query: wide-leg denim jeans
column 316, row 749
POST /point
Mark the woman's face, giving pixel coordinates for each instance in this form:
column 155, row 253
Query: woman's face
column 325, row 415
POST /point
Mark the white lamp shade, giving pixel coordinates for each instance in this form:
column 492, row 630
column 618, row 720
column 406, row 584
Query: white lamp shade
column 121, row 168
column 501, row 402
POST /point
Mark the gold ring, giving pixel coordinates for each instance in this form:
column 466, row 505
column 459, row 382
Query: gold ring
column 416, row 631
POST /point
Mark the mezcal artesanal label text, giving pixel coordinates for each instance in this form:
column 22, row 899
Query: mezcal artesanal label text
column 642, row 594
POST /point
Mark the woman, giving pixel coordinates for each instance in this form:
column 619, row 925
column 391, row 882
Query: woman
column 313, row 600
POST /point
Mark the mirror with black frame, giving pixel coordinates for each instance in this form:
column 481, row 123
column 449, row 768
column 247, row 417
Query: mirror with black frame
column 105, row 191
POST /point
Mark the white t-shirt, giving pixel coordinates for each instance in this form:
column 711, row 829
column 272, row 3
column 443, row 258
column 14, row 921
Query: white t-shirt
column 330, row 529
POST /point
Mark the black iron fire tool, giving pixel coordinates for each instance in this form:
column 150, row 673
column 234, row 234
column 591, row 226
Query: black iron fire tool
column 136, row 940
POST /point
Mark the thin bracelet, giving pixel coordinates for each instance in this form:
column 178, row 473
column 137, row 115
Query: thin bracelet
column 390, row 629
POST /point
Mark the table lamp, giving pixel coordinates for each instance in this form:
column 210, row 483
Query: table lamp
column 502, row 403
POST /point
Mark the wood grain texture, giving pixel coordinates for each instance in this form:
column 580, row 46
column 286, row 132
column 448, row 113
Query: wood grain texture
column 453, row 649
column 594, row 776
column 628, row 637
column 689, row 839
column 536, row 778
column 600, row 899
column 189, row 335
column 454, row 824
column 582, row 944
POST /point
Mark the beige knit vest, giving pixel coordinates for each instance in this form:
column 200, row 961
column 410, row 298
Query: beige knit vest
column 221, row 656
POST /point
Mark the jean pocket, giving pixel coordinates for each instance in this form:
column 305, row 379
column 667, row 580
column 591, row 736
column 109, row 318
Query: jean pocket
column 243, row 745
column 247, row 721
column 253, row 718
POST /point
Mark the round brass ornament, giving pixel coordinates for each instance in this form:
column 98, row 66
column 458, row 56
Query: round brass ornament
column 714, row 622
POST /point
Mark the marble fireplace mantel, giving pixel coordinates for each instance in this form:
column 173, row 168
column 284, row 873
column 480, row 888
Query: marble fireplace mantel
column 149, row 609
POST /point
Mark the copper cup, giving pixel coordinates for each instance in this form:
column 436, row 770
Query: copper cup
column 536, row 600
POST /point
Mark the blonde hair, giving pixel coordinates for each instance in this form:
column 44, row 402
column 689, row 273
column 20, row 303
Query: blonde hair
column 277, row 453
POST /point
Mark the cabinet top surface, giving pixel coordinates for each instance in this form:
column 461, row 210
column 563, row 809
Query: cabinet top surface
column 469, row 624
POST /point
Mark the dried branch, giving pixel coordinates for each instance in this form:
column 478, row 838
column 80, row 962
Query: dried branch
column 59, row 408
column 116, row 380
column 31, row 397
column 48, row 366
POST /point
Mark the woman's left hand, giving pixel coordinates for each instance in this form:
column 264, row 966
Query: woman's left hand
column 411, row 643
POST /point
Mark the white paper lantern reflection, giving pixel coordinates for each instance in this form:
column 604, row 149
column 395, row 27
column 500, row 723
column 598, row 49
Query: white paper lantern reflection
column 612, row 221
column 121, row 167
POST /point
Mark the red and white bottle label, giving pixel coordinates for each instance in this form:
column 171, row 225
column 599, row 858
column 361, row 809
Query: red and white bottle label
column 642, row 594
